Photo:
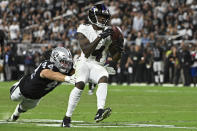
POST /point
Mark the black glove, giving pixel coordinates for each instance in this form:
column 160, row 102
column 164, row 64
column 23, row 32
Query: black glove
column 106, row 33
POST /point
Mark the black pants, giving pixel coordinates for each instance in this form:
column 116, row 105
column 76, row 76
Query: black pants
column 149, row 75
column 140, row 73
column 187, row 76
column 177, row 75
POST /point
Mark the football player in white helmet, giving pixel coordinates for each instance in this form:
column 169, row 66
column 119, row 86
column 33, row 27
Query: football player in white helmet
column 48, row 75
column 94, row 40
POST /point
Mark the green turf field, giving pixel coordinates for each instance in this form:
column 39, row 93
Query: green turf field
column 133, row 108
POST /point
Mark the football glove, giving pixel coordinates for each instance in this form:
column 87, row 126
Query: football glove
column 70, row 79
column 110, row 70
column 106, row 33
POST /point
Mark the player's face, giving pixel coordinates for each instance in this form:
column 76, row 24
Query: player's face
column 65, row 64
column 101, row 19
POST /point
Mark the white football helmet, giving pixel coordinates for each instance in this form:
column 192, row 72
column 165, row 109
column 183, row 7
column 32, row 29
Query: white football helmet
column 62, row 58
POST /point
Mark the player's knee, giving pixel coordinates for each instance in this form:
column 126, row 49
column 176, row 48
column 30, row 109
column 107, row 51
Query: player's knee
column 103, row 79
column 13, row 98
column 80, row 85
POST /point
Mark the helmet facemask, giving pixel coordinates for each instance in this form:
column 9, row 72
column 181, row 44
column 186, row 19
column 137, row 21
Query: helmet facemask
column 65, row 65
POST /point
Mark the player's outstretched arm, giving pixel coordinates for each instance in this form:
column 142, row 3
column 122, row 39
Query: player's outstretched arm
column 57, row 76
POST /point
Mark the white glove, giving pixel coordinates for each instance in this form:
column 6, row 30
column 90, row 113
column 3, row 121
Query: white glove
column 110, row 70
column 70, row 79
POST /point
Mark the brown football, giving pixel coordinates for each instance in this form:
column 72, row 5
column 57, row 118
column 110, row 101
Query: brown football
column 117, row 33
column 117, row 40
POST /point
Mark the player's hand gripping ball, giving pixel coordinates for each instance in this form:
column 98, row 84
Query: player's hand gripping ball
column 117, row 41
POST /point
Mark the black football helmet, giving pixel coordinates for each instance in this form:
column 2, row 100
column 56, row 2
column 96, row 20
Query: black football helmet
column 99, row 9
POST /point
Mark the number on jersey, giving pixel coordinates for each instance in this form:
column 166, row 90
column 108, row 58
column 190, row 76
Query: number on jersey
column 98, row 53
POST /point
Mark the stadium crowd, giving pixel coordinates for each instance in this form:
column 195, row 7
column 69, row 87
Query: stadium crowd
column 150, row 27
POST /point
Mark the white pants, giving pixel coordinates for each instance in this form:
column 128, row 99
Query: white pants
column 158, row 71
column 26, row 103
column 158, row 66
column 89, row 71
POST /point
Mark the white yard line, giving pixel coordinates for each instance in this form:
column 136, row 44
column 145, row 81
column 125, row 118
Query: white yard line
column 82, row 124
column 119, row 126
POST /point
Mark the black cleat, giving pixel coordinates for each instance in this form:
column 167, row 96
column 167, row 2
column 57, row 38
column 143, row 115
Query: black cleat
column 66, row 122
column 12, row 118
column 102, row 114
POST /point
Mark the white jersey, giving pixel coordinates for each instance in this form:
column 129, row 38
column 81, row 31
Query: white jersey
column 91, row 35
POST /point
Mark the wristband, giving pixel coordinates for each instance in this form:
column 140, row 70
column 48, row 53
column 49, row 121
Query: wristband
column 67, row 78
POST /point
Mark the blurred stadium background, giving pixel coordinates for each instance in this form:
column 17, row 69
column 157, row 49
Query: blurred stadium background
column 33, row 27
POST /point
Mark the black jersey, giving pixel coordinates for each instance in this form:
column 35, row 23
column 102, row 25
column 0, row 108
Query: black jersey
column 157, row 54
column 136, row 57
column 34, row 87
column 185, row 58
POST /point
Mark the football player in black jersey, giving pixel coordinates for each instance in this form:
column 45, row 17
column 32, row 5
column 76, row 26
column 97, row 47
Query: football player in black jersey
column 158, row 64
column 48, row 75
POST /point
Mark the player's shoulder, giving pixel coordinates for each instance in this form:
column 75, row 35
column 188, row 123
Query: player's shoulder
column 47, row 62
column 83, row 27
column 47, row 65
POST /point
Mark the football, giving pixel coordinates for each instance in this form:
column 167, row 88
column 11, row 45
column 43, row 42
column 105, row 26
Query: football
column 117, row 33
column 117, row 41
